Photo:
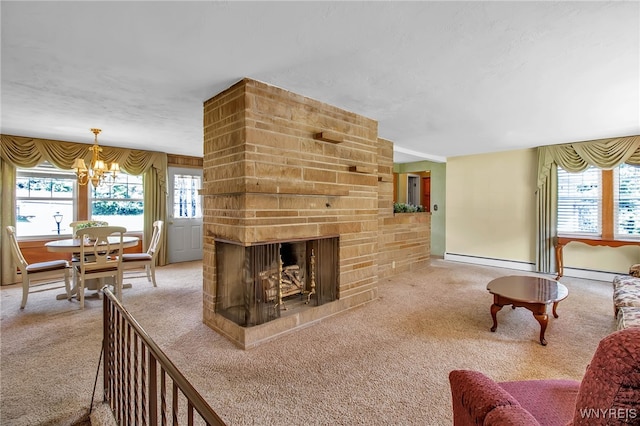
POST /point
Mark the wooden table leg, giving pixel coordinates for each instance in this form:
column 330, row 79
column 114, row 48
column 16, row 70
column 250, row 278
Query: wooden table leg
column 494, row 310
column 538, row 310
column 555, row 305
column 559, row 260
column 543, row 319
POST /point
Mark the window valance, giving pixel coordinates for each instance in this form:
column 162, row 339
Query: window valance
column 576, row 157
column 22, row 151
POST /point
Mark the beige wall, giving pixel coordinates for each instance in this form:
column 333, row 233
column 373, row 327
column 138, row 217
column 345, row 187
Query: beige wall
column 491, row 209
column 607, row 259
column 491, row 205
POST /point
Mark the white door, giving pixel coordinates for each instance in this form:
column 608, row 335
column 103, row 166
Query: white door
column 184, row 222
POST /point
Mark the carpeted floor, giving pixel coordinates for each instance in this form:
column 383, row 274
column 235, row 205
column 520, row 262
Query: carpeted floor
column 386, row 362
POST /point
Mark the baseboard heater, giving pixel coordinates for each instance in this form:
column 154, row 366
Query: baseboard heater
column 530, row 267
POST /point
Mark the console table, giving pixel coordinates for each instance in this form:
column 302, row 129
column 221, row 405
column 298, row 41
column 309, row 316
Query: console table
column 559, row 243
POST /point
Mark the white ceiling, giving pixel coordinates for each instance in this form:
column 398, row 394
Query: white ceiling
column 442, row 78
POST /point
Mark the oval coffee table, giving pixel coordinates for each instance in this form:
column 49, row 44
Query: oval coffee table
column 529, row 292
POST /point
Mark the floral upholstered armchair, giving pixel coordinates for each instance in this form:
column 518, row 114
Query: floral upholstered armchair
column 634, row 270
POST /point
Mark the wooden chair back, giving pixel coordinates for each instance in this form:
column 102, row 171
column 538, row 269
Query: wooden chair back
column 100, row 256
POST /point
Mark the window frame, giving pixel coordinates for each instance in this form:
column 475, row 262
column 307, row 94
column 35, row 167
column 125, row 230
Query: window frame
column 81, row 199
column 573, row 200
column 607, row 212
column 615, row 203
column 47, row 171
column 193, row 197
column 91, row 199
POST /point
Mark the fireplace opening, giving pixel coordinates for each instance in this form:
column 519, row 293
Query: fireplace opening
column 262, row 282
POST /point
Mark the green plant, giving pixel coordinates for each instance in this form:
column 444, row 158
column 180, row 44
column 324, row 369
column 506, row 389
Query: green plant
column 406, row 208
column 91, row 224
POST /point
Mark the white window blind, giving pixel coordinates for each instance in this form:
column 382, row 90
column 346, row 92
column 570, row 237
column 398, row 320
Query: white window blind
column 627, row 201
column 579, row 202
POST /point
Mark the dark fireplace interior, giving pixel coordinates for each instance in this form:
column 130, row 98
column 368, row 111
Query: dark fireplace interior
column 263, row 282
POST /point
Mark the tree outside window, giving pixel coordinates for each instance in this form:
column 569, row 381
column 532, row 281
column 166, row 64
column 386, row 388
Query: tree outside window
column 627, row 201
column 120, row 204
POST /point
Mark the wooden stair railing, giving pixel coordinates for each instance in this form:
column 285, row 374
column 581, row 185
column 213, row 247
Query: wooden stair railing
column 141, row 384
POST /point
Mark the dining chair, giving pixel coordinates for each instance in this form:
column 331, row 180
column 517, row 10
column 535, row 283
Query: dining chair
column 75, row 226
column 81, row 224
column 37, row 270
column 147, row 259
column 100, row 257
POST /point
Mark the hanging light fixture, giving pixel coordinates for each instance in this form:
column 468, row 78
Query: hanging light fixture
column 97, row 173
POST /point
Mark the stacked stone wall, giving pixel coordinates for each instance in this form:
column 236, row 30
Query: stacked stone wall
column 279, row 166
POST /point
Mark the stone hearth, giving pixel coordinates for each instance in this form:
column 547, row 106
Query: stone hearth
column 283, row 172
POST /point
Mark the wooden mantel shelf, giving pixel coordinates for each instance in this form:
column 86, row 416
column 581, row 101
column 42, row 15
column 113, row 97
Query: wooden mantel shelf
column 327, row 136
column 560, row 241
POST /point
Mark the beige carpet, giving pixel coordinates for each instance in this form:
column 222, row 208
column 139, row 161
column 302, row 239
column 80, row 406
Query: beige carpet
column 383, row 363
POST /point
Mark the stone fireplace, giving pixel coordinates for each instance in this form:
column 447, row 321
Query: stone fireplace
column 298, row 213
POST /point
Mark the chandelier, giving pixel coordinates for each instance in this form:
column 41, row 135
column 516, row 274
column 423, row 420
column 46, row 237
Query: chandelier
column 97, row 173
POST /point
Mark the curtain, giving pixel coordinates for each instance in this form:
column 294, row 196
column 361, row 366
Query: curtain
column 546, row 215
column 155, row 200
column 18, row 151
column 572, row 157
column 8, row 271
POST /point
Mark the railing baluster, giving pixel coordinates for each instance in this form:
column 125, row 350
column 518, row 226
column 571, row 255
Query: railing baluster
column 118, row 369
column 121, row 370
column 189, row 413
column 153, row 391
column 106, row 345
column 127, row 373
column 174, row 403
column 143, row 385
column 136, row 380
column 131, row 360
column 163, row 397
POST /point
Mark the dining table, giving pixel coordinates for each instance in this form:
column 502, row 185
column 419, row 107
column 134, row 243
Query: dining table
column 72, row 245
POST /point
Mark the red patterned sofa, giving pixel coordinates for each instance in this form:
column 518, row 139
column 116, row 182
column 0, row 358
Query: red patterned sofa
column 609, row 393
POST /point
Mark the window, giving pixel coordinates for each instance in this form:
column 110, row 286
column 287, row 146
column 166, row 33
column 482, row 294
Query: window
column 44, row 201
column 47, row 200
column 579, row 202
column 186, row 200
column 120, row 204
column 600, row 203
column 627, row 201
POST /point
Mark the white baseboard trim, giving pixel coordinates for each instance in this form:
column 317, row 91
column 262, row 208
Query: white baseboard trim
column 589, row 274
column 530, row 267
column 487, row 261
